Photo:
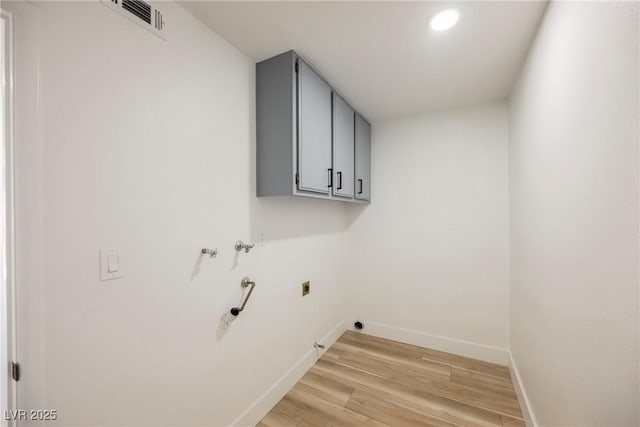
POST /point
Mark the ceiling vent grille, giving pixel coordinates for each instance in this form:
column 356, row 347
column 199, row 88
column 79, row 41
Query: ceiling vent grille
column 140, row 12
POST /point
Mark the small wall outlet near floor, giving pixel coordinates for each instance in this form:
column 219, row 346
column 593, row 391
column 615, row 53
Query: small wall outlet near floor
column 306, row 288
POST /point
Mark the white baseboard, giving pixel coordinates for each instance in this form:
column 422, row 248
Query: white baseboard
column 272, row 396
column 435, row 342
column 525, row 405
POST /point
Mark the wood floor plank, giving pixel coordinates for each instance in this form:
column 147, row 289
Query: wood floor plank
column 323, row 413
column 416, row 368
column 429, row 354
column 421, row 400
column 277, row 418
column 332, row 353
column 467, row 363
column 363, row 380
column 483, row 382
column 512, row 422
column 391, row 413
column 299, row 415
column 325, row 389
column 416, row 380
column 401, row 350
column 426, row 366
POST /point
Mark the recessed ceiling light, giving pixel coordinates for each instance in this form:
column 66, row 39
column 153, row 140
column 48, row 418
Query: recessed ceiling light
column 444, row 20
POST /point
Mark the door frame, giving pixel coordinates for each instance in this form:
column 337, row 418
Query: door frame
column 7, row 216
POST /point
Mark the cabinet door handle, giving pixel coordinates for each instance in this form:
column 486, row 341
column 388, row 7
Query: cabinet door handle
column 360, row 191
column 339, row 180
column 330, row 177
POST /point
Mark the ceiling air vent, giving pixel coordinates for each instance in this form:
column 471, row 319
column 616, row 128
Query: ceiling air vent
column 140, row 12
column 139, row 8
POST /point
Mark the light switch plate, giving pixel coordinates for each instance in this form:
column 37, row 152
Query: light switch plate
column 110, row 264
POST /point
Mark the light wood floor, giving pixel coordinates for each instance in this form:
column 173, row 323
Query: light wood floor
column 366, row 381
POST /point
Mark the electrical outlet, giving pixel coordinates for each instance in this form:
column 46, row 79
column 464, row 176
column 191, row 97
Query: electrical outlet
column 306, row 288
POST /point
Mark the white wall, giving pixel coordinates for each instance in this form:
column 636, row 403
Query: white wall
column 148, row 145
column 574, row 216
column 431, row 253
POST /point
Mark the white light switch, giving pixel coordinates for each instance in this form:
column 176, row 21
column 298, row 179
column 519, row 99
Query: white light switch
column 110, row 264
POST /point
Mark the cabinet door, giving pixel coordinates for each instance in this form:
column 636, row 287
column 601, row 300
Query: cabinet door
column 363, row 159
column 314, row 131
column 343, row 148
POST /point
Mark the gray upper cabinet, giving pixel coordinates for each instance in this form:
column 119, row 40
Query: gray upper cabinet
column 343, row 148
column 305, row 134
column 314, row 127
column 363, row 160
column 276, row 126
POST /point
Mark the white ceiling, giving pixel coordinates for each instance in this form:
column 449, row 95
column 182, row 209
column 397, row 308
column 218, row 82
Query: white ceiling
column 381, row 56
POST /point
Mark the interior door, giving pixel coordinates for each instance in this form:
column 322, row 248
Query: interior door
column 314, row 131
column 343, row 148
column 363, row 159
